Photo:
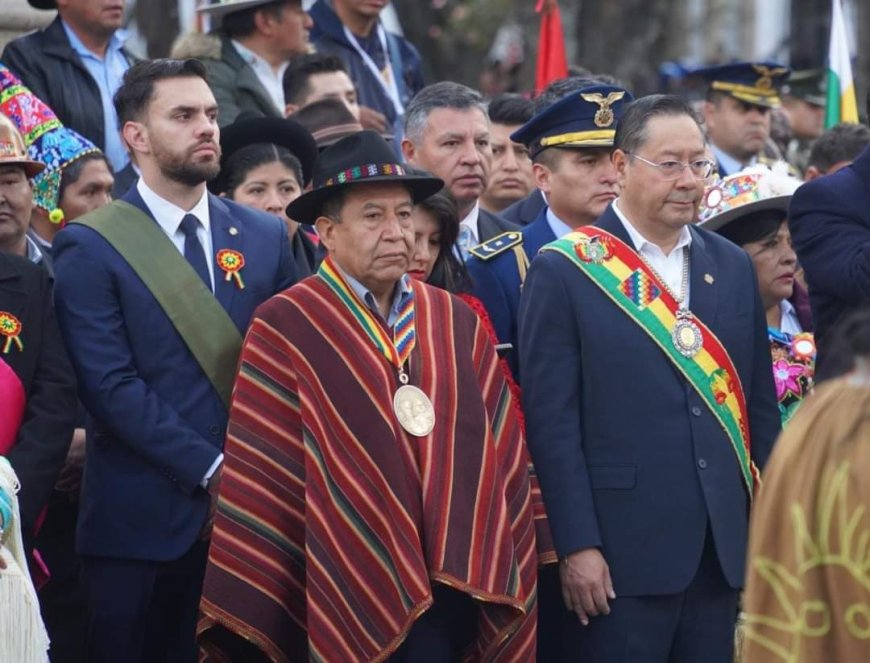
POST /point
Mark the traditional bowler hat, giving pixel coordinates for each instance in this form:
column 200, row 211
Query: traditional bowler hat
column 756, row 83
column 12, row 150
column 218, row 8
column 251, row 128
column 361, row 158
column 754, row 189
column 586, row 118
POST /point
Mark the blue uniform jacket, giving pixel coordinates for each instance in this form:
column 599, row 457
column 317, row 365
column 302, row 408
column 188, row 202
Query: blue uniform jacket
column 829, row 219
column 628, row 456
column 158, row 424
column 498, row 282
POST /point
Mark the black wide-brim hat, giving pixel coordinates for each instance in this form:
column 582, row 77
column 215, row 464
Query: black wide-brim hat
column 361, row 158
column 42, row 4
column 251, row 129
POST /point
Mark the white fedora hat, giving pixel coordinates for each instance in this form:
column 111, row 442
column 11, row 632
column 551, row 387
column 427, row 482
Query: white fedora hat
column 218, row 8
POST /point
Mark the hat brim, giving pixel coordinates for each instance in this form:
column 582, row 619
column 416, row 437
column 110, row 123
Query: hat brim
column 755, row 99
column 42, row 4
column 222, row 9
column 273, row 130
column 307, row 208
column 716, row 223
column 31, row 168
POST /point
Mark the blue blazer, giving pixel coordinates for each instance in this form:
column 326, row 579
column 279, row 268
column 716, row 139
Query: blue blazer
column 829, row 219
column 629, row 458
column 497, row 283
column 158, row 424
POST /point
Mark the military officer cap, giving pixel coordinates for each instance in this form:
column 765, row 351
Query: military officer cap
column 809, row 85
column 585, row 118
column 756, row 83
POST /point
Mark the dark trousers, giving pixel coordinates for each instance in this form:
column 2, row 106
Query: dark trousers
column 695, row 625
column 442, row 633
column 144, row 611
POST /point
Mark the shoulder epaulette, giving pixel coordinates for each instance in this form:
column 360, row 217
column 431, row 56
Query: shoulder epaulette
column 497, row 245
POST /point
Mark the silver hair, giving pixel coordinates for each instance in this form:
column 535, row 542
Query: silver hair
column 445, row 94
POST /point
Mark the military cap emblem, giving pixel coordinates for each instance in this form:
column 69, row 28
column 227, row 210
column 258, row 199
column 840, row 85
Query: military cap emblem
column 767, row 74
column 604, row 115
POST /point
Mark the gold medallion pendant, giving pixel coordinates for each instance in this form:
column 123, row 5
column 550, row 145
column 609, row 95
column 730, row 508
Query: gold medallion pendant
column 686, row 336
column 414, row 410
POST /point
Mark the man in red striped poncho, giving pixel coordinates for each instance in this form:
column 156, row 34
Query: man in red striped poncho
column 375, row 500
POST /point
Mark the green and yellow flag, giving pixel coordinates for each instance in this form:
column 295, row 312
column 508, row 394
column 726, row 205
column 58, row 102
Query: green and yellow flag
column 842, row 105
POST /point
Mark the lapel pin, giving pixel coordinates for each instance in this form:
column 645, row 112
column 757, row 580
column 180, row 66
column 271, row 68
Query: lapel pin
column 708, row 278
column 10, row 327
column 233, row 230
column 232, row 262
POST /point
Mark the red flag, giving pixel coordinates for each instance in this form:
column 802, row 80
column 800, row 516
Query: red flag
column 552, row 62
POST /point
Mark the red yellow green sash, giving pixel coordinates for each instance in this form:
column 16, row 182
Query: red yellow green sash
column 629, row 282
column 397, row 349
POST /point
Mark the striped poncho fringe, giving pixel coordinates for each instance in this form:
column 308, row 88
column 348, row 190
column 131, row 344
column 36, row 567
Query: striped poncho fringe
column 333, row 522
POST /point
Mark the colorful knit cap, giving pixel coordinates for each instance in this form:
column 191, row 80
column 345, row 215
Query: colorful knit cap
column 753, row 189
column 46, row 138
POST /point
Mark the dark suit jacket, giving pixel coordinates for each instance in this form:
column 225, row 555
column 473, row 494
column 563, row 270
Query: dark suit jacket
column 829, row 219
column 48, row 380
column 489, row 225
column 628, row 456
column 524, row 211
column 236, row 87
column 497, row 284
column 46, row 63
column 158, row 424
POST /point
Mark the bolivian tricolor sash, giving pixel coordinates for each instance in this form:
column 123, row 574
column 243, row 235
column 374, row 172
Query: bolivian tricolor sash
column 395, row 350
column 629, row 282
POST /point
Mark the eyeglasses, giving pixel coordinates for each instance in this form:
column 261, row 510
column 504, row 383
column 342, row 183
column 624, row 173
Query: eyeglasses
column 672, row 170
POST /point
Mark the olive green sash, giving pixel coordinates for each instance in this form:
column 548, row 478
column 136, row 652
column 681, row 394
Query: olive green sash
column 203, row 324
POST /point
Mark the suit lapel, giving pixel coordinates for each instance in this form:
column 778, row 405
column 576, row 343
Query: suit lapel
column 13, row 299
column 537, row 234
column 225, row 234
column 703, row 280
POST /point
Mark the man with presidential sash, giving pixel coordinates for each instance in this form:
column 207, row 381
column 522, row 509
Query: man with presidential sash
column 649, row 404
column 154, row 293
column 570, row 143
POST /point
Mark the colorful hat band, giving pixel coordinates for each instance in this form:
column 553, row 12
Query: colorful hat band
column 729, row 194
column 364, row 172
column 600, row 137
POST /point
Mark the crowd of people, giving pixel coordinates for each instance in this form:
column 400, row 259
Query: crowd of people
column 302, row 358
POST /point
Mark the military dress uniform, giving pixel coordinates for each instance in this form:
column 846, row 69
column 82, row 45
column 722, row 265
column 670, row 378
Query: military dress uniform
column 754, row 83
column 584, row 119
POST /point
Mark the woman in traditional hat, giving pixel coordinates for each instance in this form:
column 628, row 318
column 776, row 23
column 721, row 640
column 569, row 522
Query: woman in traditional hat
column 750, row 208
column 266, row 163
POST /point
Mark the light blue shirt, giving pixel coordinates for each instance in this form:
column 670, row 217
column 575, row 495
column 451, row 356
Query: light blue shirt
column 108, row 73
column 400, row 296
column 729, row 164
column 559, row 227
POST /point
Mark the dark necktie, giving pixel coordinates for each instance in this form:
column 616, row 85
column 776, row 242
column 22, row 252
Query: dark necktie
column 193, row 249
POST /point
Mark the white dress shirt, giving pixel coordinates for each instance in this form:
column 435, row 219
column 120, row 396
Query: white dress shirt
column 669, row 267
column 470, row 222
column 169, row 215
column 272, row 79
column 789, row 323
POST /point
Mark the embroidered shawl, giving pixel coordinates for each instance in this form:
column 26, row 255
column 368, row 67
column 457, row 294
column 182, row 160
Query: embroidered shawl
column 333, row 522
